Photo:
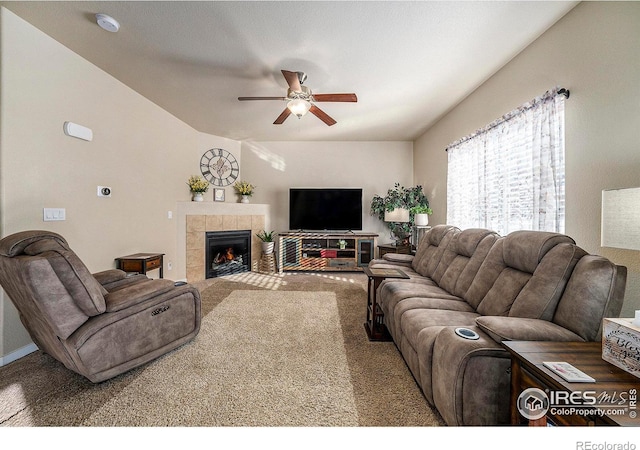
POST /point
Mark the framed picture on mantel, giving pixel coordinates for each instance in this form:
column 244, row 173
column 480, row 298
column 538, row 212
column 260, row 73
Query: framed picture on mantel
column 218, row 195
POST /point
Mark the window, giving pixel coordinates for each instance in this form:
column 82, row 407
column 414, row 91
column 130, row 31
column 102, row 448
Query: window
column 510, row 175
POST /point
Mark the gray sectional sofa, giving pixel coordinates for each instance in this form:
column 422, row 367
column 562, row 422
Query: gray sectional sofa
column 528, row 285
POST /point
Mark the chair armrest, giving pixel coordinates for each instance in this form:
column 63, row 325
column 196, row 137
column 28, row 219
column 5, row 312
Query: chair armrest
column 136, row 293
column 114, row 279
column 520, row 329
column 109, row 276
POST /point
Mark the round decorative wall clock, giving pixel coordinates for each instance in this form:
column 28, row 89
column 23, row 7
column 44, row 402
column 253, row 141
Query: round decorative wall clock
column 219, row 167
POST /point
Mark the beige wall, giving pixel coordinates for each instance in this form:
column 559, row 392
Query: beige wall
column 593, row 51
column 274, row 167
column 142, row 152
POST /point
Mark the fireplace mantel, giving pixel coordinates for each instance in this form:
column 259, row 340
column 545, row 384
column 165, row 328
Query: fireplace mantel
column 194, row 219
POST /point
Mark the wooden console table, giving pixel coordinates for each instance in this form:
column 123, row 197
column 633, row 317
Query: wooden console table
column 325, row 251
column 141, row 262
column 611, row 400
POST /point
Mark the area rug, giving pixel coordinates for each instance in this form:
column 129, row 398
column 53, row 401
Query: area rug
column 261, row 359
column 272, row 351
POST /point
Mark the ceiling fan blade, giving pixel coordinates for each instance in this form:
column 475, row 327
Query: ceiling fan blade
column 292, row 80
column 320, row 114
column 282, row 117
column 335, row 97
column 261, row 98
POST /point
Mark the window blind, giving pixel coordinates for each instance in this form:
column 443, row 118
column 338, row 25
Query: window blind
column 510, row 174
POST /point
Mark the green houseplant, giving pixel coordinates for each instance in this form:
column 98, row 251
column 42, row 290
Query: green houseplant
column 421, row 215
column 412, row 199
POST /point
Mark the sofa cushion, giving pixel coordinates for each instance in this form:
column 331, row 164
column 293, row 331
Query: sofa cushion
column 523, row 250
column 391, row 291
column 441, row 302
column 528, row 265
column 540, row 297
column 414, row 321
column 432, row 247
column 463, row 258
column 595, row 290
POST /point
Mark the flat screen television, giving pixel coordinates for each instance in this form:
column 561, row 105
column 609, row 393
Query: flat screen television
column 333, row 209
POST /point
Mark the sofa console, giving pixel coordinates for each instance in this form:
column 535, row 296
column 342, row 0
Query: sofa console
column 526, row 286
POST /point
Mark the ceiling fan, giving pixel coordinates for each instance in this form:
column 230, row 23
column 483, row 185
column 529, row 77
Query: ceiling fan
column 301, row 100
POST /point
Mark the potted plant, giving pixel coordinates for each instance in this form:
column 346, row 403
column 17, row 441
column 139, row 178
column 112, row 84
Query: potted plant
column 244, row 189
column 342, row 244
column 399, row 197
column 421, row 215
column 267, row 241
column 197, row 186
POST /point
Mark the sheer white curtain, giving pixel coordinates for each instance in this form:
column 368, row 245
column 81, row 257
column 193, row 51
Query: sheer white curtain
column 510, row 175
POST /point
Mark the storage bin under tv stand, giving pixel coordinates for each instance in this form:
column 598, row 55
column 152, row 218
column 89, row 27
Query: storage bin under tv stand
column 320, row 250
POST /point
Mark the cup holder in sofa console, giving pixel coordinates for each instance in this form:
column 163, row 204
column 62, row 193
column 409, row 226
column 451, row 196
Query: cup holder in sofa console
column 467, row 334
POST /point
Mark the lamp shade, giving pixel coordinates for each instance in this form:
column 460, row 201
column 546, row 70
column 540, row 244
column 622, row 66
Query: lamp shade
column 397, row 215
column 620, row 226
column 299, row 107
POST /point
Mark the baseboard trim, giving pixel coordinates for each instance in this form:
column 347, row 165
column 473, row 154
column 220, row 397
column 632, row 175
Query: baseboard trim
column 11, row 357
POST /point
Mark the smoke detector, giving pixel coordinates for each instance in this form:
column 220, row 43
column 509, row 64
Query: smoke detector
column 107, row 23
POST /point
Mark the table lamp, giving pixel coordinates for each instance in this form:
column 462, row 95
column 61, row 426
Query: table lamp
column 398, row 216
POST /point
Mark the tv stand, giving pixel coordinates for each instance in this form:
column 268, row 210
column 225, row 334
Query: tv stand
column 323, row 250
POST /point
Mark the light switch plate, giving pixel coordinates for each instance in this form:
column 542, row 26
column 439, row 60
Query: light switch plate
column 54, row 214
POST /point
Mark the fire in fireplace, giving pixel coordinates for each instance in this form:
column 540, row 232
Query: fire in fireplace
column 227, row 252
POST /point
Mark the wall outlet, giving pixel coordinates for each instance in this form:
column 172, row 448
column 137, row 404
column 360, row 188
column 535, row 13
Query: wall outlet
column 169, row 265
column 104, row 191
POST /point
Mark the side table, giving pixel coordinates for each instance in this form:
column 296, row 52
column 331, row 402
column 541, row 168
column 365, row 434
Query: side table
column 611, row 400
column 140, row 262
column 376, row 330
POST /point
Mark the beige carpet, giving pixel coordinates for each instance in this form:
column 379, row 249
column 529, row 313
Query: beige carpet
column 273, row 350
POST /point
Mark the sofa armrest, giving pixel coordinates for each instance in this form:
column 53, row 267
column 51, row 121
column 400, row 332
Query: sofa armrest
column 398, row 258
column 520, row 329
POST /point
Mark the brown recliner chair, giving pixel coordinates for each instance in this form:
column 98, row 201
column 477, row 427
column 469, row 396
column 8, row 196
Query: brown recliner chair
column 98, row 325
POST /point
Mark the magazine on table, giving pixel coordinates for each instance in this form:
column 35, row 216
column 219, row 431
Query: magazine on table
column 568, row 372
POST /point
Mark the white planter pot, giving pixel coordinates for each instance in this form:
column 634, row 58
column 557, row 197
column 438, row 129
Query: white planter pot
column 421, row 220
column 197, row 197
column 267, row 248
column 244, row 199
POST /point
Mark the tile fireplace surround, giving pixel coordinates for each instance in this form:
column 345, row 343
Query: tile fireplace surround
column 196, row 218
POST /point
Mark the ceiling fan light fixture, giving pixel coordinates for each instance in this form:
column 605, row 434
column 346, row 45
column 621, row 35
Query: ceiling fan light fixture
column 299, row 107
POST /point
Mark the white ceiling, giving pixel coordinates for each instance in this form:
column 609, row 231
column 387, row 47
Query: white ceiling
column 408, row 62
